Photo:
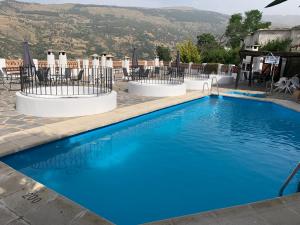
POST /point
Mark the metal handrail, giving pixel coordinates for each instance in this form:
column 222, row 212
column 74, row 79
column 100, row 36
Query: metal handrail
column 212, row 82
column 287, row 181
column 206, row 84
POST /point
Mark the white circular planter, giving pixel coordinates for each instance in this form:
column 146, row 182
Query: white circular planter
column 65, row 106
column 194, row 84
column 223, row 79
column 154, row 89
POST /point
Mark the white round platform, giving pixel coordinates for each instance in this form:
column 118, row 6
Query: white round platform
column 223, row 79
column 62, row 106
column 156, row 90
column 194, row 84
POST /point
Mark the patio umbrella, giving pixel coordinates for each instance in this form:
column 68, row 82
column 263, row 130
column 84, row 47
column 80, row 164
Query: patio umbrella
column 178, row 61
column 135, row 63
column 27, row 59
column 276, row 2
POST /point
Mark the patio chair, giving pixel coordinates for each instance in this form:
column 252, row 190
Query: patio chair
column 78, row 78
column 280, row 85
column 125, row 74
column 135, row 73
column 156, row 70
column 3, row 78
column 43, row 76
column 144, row 73
column 288, row 87
column 68, row 73
column 169, row 71
column 295, row 84
column 8, row 80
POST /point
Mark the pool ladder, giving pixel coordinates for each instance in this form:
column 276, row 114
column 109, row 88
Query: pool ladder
column 211, row 85
column 287, row 181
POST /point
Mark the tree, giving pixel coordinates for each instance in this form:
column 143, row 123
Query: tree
column 189, row 52
column 163, row 53
column 277, row 45
column 206, row 41
column 237, row 28
column 234, row 31
column 221, row 55
column 253, row 22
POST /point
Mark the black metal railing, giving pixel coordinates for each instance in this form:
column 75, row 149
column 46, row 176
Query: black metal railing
column 196, row 75
column 158, row 75
column 55, row 81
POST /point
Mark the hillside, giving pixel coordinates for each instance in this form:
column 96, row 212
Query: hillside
column 86, row 29
column 283, row 20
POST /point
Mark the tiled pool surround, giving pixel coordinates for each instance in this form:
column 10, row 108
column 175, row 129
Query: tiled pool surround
column 36, row 136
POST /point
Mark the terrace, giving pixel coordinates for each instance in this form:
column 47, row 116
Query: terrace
column 25, row 201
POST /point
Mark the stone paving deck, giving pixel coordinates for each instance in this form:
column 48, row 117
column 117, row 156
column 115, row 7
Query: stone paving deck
column 24, row 201
column 11, row 121
column 18, row 192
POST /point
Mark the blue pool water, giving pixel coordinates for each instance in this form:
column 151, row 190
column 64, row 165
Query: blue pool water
column 206, row 154
column 257, row 95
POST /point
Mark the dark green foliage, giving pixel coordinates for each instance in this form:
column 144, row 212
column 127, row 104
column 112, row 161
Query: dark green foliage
column 211, row 68
column 238, row 28
column 221, row 55
column 213, row 52
column 277, row 45
column 253, row 21
column 234, row 31
column 206, row 41
column 163, row 53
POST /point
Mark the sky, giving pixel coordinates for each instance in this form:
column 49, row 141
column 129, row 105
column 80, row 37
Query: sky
column 224, row 6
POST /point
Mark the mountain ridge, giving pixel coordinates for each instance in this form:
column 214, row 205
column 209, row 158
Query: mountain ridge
column 83, row 29
column 86, row 29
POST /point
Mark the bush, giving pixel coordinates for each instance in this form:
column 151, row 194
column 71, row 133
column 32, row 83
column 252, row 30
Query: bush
column 277, row 45
column 211, row 68
column 188, row 52
column 221, row 55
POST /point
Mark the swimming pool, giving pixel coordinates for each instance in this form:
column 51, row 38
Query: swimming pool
column 205, row 154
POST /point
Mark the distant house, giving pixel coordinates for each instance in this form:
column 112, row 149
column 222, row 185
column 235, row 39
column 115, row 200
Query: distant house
column 263, row 36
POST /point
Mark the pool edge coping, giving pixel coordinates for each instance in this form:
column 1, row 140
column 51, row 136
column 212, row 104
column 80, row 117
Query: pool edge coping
column 252, row 210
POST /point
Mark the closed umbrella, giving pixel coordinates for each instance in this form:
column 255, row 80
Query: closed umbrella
column 27, row 59
column 178, row 61
column 135, row 63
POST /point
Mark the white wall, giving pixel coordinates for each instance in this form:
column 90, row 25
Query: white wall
column 65, row 107
column 156, row 90
column 2, row 63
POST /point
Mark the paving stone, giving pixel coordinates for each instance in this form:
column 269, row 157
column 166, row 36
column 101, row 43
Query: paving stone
column 8, row 130
column 8, row 148
column 57, row 211
column 280, row 216
column 28, row 199
column 88, row 218
column 12, row 182
column 6, row 215
column 275, row 212
column 18, row 222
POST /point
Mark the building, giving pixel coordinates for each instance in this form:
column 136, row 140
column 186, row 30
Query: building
column 263, row 36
